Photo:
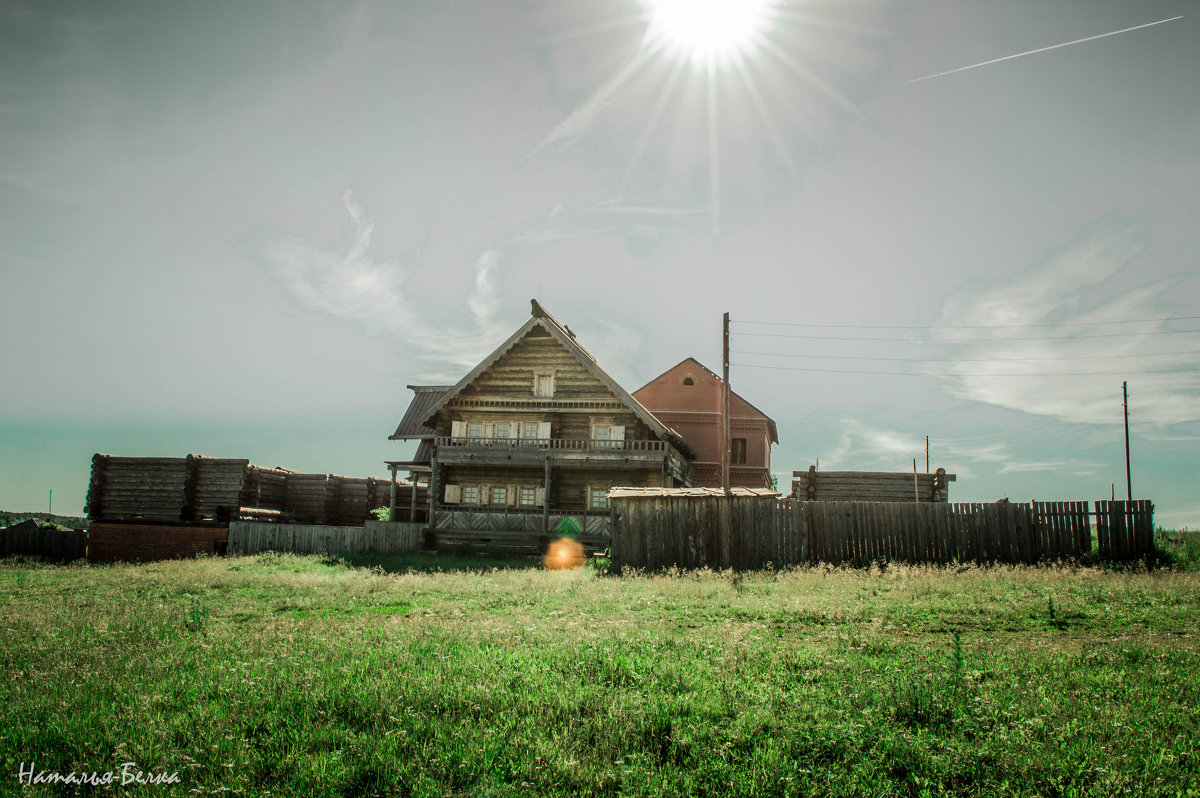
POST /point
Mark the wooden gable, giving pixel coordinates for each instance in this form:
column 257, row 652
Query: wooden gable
column 537, row 354
column 543, row 345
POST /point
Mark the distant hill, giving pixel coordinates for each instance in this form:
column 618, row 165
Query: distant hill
column 8, row 518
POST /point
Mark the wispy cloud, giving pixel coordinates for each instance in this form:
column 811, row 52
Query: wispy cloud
column 1061, row 336
column 1069, row 465
column 865, row 445
column 346, row 281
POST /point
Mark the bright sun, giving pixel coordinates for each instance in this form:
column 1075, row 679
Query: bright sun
column 708, row 33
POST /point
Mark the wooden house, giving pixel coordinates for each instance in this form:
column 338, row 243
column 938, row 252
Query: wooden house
column 537, row 430
column 687, row 398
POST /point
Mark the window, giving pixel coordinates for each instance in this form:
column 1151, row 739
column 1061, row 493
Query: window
column 499, row 495
column 599, row 498
column 502, row 430
column 528, row 497
column 475, row 431
column 543, row 383
column 688, row 381
column 529, row 430
column 470, row 494
column 608, row 437
column 737, row 453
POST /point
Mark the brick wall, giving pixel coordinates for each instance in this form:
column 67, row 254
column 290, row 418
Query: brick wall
column 109, row 541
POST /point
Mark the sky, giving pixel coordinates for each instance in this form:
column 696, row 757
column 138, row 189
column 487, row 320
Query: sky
column 241, row 229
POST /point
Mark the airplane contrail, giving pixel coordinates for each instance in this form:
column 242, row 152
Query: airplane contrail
column 1040, row 50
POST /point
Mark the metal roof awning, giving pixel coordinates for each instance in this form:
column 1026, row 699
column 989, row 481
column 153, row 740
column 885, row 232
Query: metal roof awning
column 408, row 465
column 411, row 426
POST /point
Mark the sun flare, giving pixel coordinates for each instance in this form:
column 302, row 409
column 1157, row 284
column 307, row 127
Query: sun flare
column 707, row 33
column 563, row 554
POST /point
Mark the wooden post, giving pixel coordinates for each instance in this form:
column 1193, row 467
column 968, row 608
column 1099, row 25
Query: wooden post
column 1125, row 405
column 546, row 500
column 392, row 496
column 433, row 480
column 412, row 499
column 725, row 403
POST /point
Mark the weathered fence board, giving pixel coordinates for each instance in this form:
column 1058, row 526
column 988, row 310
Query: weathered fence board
column 375, row 537
column 1125, row 530
column 53, row 544
column 747, row 532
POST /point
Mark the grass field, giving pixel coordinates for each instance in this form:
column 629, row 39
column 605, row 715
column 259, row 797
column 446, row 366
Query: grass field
column 284, row 675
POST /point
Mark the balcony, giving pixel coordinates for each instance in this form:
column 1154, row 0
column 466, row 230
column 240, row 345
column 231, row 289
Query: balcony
column 560, row 451
column 553, row 444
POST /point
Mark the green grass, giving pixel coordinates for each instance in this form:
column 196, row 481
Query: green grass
column 422, row 675
column 1179, row 547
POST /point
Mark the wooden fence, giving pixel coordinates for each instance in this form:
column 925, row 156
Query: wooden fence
column 375, row 537
column 517, row 531
column 54, row 544
column 744, row 532
column 1124, row 530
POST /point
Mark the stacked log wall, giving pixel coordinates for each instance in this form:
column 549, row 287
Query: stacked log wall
column 137, row 488
column 872, row 486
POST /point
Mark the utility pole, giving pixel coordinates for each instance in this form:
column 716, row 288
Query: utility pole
column 926, row 454
column 1125, row 405
column 725, row 441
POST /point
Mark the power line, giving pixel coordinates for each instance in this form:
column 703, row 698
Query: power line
column 963, row 340
column 964, row 360
column 962, row 327
column 919, row 374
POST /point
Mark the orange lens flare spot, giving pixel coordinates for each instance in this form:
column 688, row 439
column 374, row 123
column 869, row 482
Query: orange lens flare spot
column 563, row 553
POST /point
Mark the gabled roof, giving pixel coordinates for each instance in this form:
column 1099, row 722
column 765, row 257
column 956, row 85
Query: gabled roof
column 770, row 421
column 412, row 426
column 540, row 318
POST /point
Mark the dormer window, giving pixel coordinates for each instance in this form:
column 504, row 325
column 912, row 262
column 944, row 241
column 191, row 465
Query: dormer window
column 688, row 381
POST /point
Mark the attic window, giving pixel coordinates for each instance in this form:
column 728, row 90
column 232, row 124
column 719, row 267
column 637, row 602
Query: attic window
column 543, row 383
column 688, row 381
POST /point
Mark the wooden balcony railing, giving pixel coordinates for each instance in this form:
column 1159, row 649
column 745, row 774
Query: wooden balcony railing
column 555, row 444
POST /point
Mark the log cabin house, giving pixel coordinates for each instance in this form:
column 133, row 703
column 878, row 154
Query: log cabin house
column 687, row 398
column 538, row 430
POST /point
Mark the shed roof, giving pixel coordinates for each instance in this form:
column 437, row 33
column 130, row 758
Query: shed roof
column 634, row 493
column 412, row 425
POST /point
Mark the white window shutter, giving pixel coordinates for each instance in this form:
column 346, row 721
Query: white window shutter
column 539, row 496
column 489, row 430
column 616, row 433
column 513, row 427
column 512, row 494
column 544, row 430
column 453, row 494
column 458, row 429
